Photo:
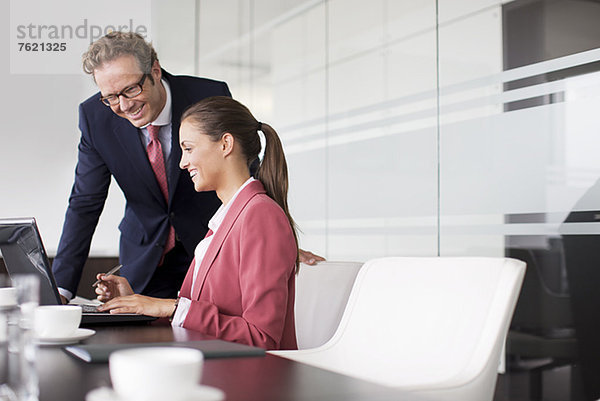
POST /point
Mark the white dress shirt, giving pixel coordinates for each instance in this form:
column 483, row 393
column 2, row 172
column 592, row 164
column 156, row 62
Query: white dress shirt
column 215, row 222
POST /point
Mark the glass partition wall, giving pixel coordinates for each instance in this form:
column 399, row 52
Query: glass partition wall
column 352, row 90
column 442, row 127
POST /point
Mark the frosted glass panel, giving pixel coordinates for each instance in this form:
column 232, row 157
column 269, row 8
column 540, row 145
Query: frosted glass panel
column 517, row 143
column 405, row 18
column 519, row 175
column 356, row 83
column 355, row 27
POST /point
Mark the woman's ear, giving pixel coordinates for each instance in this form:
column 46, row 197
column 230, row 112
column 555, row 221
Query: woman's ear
column 227, row 143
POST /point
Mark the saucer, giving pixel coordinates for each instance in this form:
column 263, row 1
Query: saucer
column 80, row 334
column 199, row 393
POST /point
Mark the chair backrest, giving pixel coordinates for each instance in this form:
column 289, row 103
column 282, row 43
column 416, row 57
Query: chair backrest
column 542, row 307
column 431, row 325
column 322, row 292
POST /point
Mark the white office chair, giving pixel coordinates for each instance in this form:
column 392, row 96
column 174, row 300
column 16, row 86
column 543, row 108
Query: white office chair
column 433, row 326
column 322, row 291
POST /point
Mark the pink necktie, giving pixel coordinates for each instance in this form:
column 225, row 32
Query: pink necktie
column 157, row 161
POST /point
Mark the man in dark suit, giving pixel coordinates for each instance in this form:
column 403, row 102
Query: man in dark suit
column 133, row 118
column 135, row 92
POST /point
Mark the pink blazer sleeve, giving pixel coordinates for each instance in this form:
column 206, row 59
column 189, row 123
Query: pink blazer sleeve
column 248, row 293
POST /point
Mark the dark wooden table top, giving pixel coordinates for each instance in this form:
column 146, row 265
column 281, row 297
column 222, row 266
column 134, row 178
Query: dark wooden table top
column 65, row 378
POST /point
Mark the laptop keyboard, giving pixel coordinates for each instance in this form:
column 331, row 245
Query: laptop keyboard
column 90, row 309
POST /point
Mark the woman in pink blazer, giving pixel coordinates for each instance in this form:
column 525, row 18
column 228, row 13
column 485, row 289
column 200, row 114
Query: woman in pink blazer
column 240, row 286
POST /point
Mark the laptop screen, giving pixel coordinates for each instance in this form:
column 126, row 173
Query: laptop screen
column 23, row 253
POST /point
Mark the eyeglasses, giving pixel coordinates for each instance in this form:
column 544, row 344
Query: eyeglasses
column 129, row 92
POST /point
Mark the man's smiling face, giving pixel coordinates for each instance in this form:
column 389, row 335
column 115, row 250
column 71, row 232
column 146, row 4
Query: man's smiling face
column 116, row 75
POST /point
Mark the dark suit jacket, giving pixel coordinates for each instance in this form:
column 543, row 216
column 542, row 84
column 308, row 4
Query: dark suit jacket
column 111, row 147
column 245, row 286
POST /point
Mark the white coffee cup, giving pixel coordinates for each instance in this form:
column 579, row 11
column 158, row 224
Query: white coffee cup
column 8, row 297
column 155, row 373
column 8, row 300
column 56, row 321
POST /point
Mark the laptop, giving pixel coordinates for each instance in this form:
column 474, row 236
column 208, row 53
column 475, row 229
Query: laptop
column 24, row 253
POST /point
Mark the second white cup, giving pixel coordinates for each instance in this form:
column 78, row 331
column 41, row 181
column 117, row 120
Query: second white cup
column 56, row 321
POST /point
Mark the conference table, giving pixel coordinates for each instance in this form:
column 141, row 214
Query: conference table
column 269, row 377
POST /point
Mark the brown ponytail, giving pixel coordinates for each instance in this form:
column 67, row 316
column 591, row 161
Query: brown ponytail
column 218, row 115
column 273, row 173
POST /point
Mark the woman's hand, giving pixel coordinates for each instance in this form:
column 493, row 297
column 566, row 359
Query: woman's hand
column 111, row 287
column 140, row 304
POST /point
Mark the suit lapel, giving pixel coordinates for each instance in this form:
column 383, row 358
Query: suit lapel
column 179, row 101
column 128, row 136
column 239, row 203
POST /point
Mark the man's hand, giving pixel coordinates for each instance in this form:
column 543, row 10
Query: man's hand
column 111, row 287
column 64, row 300
column 309, row 258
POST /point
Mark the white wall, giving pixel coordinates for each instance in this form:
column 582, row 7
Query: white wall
column 38, row 142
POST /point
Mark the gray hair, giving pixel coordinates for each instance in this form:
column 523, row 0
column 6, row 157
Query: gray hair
column 117, row 44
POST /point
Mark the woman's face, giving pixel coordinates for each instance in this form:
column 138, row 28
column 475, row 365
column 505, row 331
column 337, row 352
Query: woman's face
column 201, row 157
